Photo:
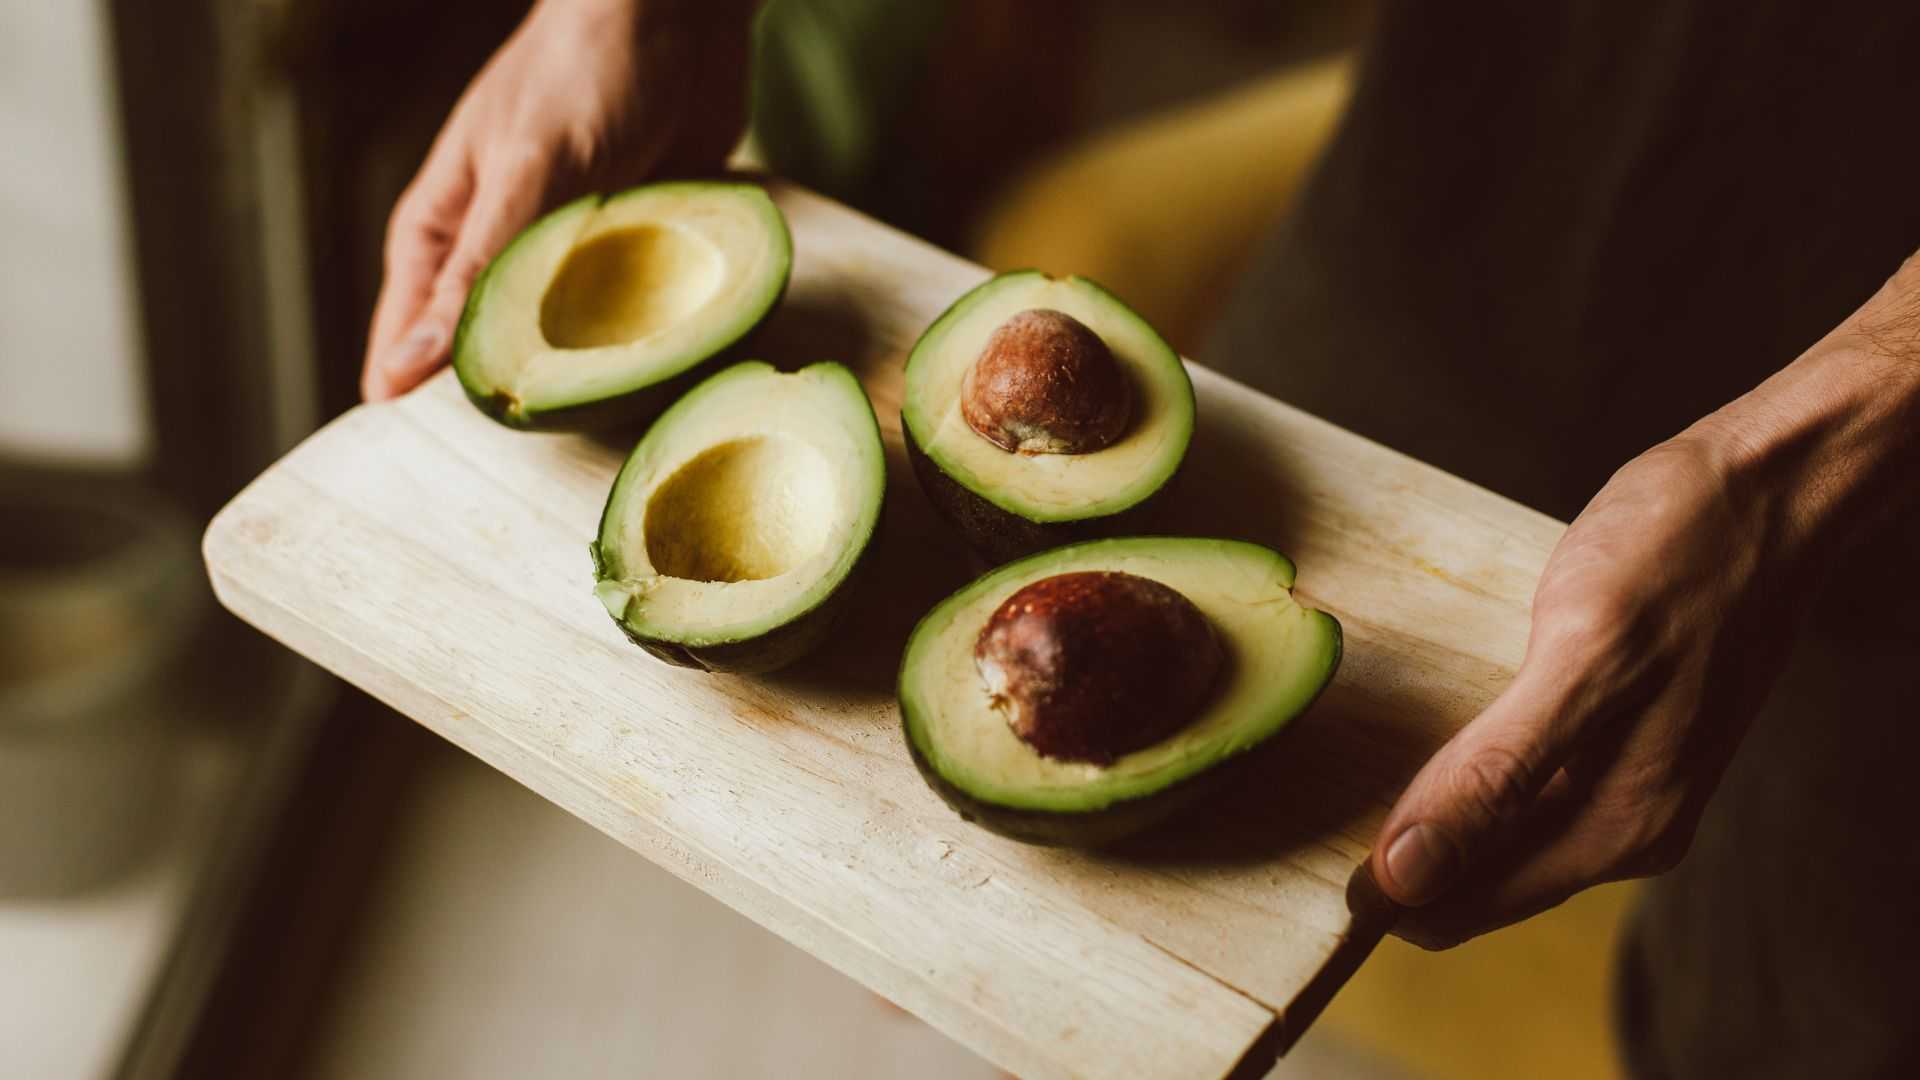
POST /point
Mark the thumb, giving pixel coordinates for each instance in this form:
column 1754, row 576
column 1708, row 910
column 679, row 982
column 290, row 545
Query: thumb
column 504, row 201
column 1474, row 791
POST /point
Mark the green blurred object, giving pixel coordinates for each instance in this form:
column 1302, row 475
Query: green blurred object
column 832, row 79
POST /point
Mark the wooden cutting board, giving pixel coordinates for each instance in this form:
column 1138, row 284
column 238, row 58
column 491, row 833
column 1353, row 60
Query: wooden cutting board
column 439, row 562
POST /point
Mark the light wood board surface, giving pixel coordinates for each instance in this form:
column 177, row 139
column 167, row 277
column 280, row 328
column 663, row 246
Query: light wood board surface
column 439, row 561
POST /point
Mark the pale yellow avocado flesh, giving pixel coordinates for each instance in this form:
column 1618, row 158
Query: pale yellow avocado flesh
column 629, row 284
column 1050, row 487
column 744, row 506
column 1280, row 656
column 746, row 509
column 604, row 297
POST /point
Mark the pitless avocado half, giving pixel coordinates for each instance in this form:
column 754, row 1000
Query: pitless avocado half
column 605, row 309
column 1040, row 411
column 736, row 524
column 1074, row 697
column 1083, row 694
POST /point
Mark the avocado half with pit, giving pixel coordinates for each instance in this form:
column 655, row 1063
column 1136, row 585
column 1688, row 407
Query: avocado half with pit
column 603, row 310
column 1042, row 410
column 1083, row 694
column 734, row 528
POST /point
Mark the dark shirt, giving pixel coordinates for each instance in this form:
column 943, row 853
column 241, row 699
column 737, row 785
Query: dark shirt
column 1550, row 235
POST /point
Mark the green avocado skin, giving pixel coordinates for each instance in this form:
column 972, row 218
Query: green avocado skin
column 628, row 409
column 635, row 407
column 998, row 535
column 781, row 645
column 1095, row 829
column 770, row 651
column 631, row 409
column 1109, row 825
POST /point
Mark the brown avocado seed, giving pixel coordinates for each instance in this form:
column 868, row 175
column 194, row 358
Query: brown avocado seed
column 1045, row 384
column 1092, row 665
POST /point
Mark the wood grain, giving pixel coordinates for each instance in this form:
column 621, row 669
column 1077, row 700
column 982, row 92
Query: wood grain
column 439, row 562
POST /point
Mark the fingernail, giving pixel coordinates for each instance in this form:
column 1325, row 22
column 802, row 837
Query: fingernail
column 424, row 340
column 1422, row 863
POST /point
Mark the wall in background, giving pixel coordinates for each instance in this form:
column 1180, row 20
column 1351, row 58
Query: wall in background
column 71, row 386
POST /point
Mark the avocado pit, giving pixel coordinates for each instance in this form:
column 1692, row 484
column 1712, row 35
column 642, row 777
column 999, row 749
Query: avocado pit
column 1093, row 665
column 1047, row 384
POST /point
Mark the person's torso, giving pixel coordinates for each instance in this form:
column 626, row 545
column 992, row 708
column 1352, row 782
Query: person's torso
column 1548, row 236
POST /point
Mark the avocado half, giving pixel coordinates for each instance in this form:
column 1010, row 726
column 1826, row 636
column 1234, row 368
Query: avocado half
column 603, row 310
column 739, row 519
column 1007, row 504
column 1280, row 655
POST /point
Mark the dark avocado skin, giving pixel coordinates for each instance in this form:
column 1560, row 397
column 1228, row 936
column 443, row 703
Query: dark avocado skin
column 755, row 656
column 770, row 651
column 1097, row 829
column 635, row 407
column 629, row 409
column 1000, row 536
column 1108, row 826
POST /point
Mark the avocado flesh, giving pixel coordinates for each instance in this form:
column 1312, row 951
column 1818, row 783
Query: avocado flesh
column 1009, row 504
column 740, row 515
column 602, row 309
column 1280, row 656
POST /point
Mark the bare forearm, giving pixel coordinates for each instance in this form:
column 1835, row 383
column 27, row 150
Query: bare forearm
column 642, row 14
column 586, row 95
column 1833, row 439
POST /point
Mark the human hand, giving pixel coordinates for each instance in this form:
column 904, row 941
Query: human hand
column 1658, row 625
column 586, row 95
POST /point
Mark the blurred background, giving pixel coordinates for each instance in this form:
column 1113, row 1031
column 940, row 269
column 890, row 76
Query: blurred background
column 217, row 861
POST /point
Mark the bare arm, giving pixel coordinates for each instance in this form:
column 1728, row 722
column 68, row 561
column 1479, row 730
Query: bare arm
column 1657, row 626
column 586, row 95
